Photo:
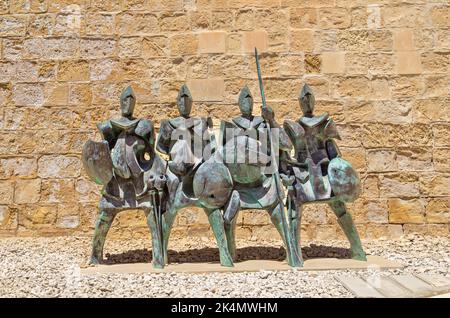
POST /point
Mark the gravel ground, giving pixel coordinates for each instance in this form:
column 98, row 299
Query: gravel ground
column 50, row 267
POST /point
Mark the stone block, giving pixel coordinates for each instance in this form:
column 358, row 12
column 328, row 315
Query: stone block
column 435, row 185
column 408, row 63
column 27, row 191
column 174, row 21
column 252, row 39
column 406, row 211
column 212, row 89
column 381, row 160
column 403, row 40
column 301, row 40
column 18, row 167
column 441, row 133
column 399, row 185
column 333, row 62
column 440, row 16
column 182, row 44
column 212, row 42
column 441, row 160
column 438, row 210
column 13, row 25
column 303, row 17
column 334, row 18
column 50, row 166
column 73, row 71
column 6, row 192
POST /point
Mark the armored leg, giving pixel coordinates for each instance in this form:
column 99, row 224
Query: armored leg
column 157, row 242
column 217, row 224
column 102, row 225
column 346, row 222
column 294, row 258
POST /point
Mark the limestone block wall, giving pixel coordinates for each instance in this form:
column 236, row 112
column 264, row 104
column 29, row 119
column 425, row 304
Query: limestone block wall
column 379, row 67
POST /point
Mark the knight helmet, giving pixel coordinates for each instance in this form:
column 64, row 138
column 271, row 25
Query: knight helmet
column 184, row 101
column 307, row 101
column 246, row 101
column 127, row 102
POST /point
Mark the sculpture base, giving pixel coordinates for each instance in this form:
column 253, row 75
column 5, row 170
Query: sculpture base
column 315, row 264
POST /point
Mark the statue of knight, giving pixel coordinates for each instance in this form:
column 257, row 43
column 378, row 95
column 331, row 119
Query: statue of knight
column 132, row 174
column 317, row 173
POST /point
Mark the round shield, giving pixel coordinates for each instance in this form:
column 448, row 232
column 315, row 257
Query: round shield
column 212, row 184
column 344, row 180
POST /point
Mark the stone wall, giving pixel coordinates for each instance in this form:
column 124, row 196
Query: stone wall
column 380, row 68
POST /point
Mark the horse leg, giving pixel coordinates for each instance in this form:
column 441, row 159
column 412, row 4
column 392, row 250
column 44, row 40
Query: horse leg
column 102, row 225
column 230, row 232
column 157, row 248
column 230, row 217
column 296, row 222
column 294, row 256
column 346, row 222
column 217, row 224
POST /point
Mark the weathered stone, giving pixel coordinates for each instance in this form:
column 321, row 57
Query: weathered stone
column 414, row 159
column 97, row 48
column 426, row 229
column 332, row 18
column 27, row 191
column 403, row 40
column 6, row 192
column 73, row 71
column 183, row 44
column 12, row 25
column 41, row 25
column 438, row 210
column 333, row 62
column 99, row 24
column 380, row 40
column 313, row 63
column 408, row 63
column 208, row 89
column 441, row 133
column 353, row 40
column 58, row 191
column 212, row 42
column 441, row 160
column 440, row 16
column 435, row 185
column 174, row 22
column 58, row 166
column 21, row 167
column 303, row 17
column 406, row 211
column 28, row 95
column 381, row 161
column 252, row 39
column 399, row 185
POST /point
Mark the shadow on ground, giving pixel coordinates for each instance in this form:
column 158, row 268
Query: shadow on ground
column 208, row 254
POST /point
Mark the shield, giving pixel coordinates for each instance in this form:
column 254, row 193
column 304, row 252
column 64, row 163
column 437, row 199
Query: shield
column 97, row 162
column 344, row 180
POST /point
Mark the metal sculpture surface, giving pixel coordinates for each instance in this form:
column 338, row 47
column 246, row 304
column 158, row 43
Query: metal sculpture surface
column 132, row 175
column 317, row 173
column 251, row 167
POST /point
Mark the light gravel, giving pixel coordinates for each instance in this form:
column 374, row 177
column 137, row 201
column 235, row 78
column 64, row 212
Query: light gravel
column 50, row 267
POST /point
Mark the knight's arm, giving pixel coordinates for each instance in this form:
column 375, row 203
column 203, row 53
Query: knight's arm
column 107, row 133
column 331, row 134
column 284, row 141
column 212, row 137
column 164, row 137
column 146, row 130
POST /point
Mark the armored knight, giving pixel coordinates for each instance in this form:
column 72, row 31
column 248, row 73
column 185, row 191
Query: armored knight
column 126, row 164
column 199, row 142
column 246, row 138
column 317, row 171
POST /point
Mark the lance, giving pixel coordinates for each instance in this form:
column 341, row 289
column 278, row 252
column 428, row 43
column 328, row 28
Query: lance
column 289, row 243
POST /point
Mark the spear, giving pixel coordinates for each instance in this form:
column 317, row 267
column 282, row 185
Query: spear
column 289, row 243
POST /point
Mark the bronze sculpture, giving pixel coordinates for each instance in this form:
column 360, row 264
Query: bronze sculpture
column 317, row 173
column 131, row 172
column 247, row 169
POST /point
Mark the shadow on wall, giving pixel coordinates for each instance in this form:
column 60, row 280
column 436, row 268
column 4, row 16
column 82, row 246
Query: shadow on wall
column 208, row 254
